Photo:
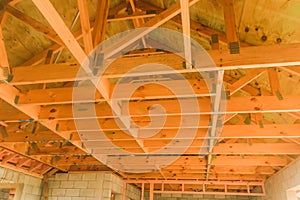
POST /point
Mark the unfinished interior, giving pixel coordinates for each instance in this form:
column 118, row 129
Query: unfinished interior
column 150, row 99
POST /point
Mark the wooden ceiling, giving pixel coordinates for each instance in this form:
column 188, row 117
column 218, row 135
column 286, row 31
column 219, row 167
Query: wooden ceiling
column 255, row 43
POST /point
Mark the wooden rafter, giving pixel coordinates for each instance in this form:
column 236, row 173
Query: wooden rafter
column 101, row 21
column 245, row 80
column 4, row 59
column 47, row 32
column 85, row 25
column 274, row 82
column 230, row 25
column 186, row 28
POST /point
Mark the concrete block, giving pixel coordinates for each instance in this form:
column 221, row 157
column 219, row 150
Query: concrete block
column 87, row 193
column 72, row 192
column 15, row 177
column 20, row 178
column 61, row 176
column 58, row 192
column 78, row 198
column 220, row 196
column 64, row 198
column 100, row 176
column 106, row 193
column 93, row 184
column 66, row 184
column 108, row 177
column 31, row 197
column 108, row 185
column 189, row 196
column 54, row 184
column 52, row 198
column 27, row 189
column 165, row 195
column 81, row 184
column 176, row 195
column 8, row 175
column 74, row 177
column 36, row 191
column 89, row 176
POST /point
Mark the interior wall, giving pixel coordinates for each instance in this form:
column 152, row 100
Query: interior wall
column 279, row 186
column 27, row 187
column 89, row 186
column 198, row 197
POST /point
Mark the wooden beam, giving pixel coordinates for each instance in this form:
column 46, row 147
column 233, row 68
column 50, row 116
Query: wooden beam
column 258, row 148
column 243, row 81
column 134, row 17
column 185, row 16
column 35, row 166
column 249, row 161
column 265, row 104
column 47, row 32
column 65, row 161
column 8, row 157
column 149, row 91
column 167, row 134
column 45, row 187
column 230, row 26
column 85, row 25
column 101, row 21
column 23, row 162
column 274, row 82
column 4, row 64
column 250, row 57
column 250, row 105
column 185, row 176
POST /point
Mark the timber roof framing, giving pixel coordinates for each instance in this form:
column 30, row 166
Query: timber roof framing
column 38, row 133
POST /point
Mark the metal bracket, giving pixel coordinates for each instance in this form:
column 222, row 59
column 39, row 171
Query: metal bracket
column 234, row 48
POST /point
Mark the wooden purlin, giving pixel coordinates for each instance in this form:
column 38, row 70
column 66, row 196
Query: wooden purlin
column 250, row 57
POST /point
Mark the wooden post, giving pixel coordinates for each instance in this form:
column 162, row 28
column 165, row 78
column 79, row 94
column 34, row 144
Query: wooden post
column 45, row 188
column 151, row 191
column 124, row 191
column 143, row 191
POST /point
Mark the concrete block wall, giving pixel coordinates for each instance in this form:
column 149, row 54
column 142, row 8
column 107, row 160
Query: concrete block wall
column 28, row 187
column 277, row 186
column 4, row 194
column 88, row 186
